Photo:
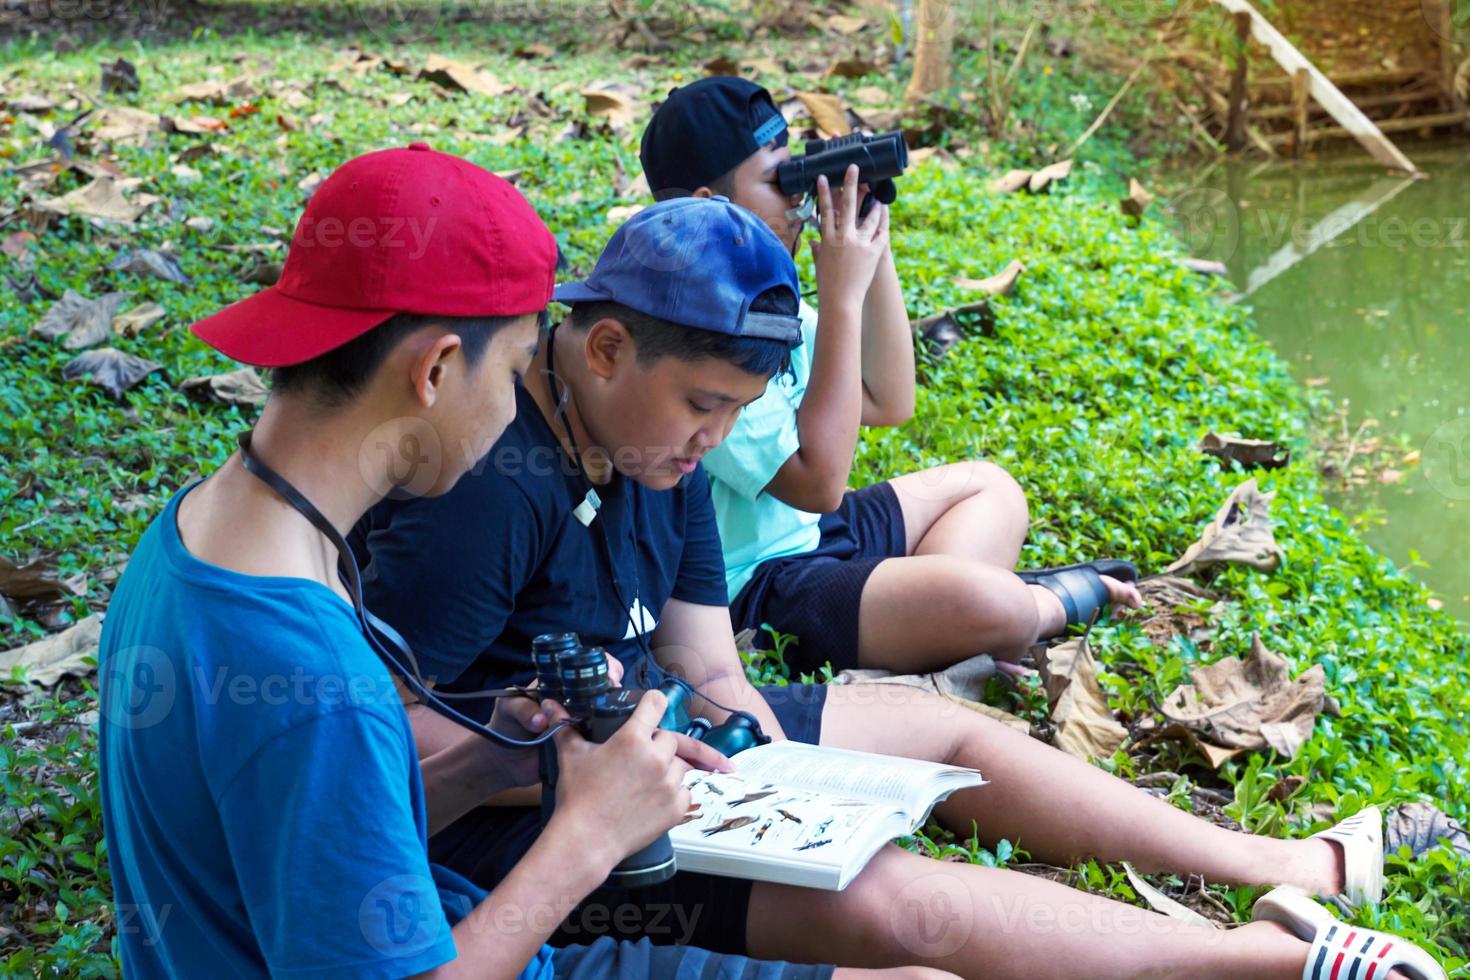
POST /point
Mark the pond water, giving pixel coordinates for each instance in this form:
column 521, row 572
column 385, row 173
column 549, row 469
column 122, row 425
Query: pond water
column 1362, row 282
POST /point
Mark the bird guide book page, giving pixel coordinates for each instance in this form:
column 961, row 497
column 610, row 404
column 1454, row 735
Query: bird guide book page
column 805, row 815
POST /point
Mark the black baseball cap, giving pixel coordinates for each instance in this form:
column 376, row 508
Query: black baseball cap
column 706, row 129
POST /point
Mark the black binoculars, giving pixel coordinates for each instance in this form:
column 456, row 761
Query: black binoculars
column 879, row 159
column 577, row 677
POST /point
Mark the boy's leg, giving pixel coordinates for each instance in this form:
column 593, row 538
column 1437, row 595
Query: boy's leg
column 1059, row 808
column 970, row 510
column 983, row 922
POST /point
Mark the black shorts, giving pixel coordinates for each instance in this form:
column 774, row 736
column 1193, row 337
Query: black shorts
column 690, row 909
column 608, row 959
column 816, row 596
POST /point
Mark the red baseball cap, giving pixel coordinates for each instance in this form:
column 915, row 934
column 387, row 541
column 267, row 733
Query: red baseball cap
column 395, row 231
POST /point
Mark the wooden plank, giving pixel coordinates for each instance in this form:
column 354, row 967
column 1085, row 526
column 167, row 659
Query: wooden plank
column 1421, row 94
column 1352, row 79
column 1439, row 120
column 1338, row 105
column 1301, row 93
column 1235, row 124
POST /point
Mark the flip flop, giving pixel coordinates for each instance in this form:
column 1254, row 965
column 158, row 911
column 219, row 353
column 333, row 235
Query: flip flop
column 1080, row 587
column 1341, row 951
column 1361, row 839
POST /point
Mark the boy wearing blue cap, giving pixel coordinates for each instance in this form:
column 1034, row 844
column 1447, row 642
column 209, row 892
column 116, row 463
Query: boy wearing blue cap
column 593, row 514
column 911, row 574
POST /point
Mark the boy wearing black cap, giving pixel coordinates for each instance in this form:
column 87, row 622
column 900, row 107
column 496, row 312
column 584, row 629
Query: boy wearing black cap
column 260, row 782
column 593, row 514
column 911, row 574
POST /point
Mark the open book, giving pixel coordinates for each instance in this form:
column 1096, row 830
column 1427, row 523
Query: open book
column 806, row 815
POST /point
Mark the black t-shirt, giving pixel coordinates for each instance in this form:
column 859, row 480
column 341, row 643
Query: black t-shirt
column 471, row 577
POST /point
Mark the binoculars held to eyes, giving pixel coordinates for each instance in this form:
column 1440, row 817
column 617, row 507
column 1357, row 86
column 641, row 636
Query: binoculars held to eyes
column 577, row 677
column 879, row 159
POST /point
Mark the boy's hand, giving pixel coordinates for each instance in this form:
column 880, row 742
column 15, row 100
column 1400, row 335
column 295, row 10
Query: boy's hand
column 622, row 794
column 849, row 252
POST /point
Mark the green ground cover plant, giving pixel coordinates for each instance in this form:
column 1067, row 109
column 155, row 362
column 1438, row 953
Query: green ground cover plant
column 1092, row 384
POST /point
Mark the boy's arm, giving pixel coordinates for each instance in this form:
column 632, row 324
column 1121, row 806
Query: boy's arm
column 815, row 477
column 695, row 642
column 888, row 350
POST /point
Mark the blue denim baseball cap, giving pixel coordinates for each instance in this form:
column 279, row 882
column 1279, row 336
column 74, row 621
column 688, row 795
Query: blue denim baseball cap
column 697, row 262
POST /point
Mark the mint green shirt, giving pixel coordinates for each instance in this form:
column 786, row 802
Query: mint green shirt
column 755, row 526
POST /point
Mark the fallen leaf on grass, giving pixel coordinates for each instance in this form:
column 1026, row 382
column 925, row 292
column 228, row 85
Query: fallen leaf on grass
column 35, row 581
column 198, row 125
column 826, row 111
column 841, row 23
column 1137, row 200
column 533, row 50
column 110, row 369
column 124, row 124
column 77, row 321
column 722, row 65
column 765, row 66
column 1206, row 267
column 1011, row 181
column 1085, row 726
column 941, row 331
column 1235, row 706
column 1421, row 827
column 17, row 244
column 1046, row 176
column 1249, row 453
column 242, row 387
column 136, row 320
column 871, row 95
column 262, row 272
column 999, row 284
column 852, row 68
column 217, row 92
column 1240, row 533
column 119, row 77
column 149, row 262
column 612, row 104
column 36, row 105
column 963, row 683
column 99, row 199
column 47, row 661
column 1163, row 903
column 461, row 77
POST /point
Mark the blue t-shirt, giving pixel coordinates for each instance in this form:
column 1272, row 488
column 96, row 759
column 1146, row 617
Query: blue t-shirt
column 471, row 577
column 260, row 788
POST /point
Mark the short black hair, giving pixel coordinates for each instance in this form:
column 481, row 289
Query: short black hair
column 723, row 185
column 656, row 338
column 334, row 378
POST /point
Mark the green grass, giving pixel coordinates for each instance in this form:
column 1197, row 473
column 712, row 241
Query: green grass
column 1100, row 374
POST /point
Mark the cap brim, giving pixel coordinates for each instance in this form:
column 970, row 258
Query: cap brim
column 271, row 329
column 578, row 292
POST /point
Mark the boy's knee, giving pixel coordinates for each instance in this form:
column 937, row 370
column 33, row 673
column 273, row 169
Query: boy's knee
column 999, row 483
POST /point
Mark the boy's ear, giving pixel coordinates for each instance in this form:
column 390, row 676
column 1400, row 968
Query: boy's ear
column 705, row 192
column 608, row 341
column 428, row 364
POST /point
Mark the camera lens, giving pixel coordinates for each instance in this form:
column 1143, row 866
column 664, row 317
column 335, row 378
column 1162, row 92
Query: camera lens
column 547, row 651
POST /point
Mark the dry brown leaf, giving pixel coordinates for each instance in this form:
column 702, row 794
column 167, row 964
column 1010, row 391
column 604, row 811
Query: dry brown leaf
column 217, row 92
column 101, row 199
column 34, row 581
column 139, row 318
column 242, row 387
column 941, row 331
column 962, row 683
column 533, row 50
column 36, row 105
column 462, row 77
column 119, row 77
column 1421, row 827
column 722, row 65
column 618, row 214
column 110, row 369
column 845, row 24
column 1250, row 453
column 1086, row 727
column 826, row 111
column 1137, row 200
column 764, row 66
column 48, row 661
column 1206, row 267
column 852, row 68
column 17, row 244
column 1240, row 533
column 77, row 321
column 999, row 284
column 198, row 125
column 1239, row 706
column 149, row 262
column 1046, row 176
column 1012, row 181
column 936, row 153
column 871, row 95
column 262, row 272
column 613, row 104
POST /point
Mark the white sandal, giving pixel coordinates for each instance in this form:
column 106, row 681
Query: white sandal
column 1361, row 839
column 1341, row 951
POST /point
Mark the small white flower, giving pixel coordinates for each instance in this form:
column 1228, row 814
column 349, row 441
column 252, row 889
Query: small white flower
column 1081, row 102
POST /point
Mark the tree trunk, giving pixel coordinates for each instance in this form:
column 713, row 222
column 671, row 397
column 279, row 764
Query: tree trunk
column 933, row 46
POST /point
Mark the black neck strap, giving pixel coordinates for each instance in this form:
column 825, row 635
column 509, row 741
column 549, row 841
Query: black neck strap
column 402, row 662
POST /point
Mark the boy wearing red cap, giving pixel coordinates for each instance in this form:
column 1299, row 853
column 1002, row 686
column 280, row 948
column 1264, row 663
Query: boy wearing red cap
column 911, row 574
column 260, row 781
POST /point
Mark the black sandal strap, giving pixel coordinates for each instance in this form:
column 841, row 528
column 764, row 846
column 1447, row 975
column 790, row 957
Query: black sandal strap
column 1079, row 587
